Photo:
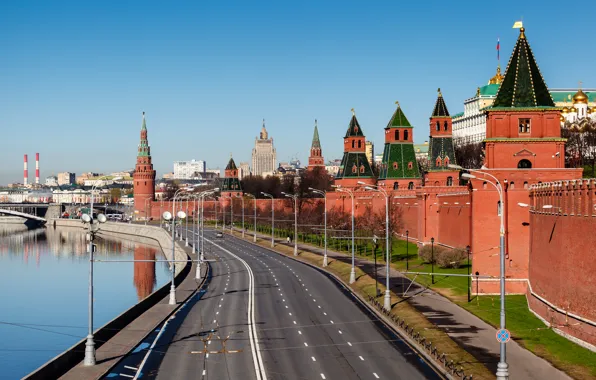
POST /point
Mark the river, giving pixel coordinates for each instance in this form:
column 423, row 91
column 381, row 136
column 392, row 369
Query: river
column 44, row 290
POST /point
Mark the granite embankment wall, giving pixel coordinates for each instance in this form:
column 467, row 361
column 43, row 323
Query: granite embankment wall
column 562, row 283
column 149, row 235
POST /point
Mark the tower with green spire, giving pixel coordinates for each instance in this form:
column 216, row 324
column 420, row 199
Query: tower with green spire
column 441, row 150
column 230, row 185
column 399, row 168
column 354, row 165
column 316, row 153
column 144, row 177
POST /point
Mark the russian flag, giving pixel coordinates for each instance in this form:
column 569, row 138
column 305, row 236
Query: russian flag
column 498, row 48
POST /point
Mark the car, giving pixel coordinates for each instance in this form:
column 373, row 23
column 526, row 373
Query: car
column 219, row 235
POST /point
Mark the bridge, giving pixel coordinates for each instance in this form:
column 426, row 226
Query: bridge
column 23, row 215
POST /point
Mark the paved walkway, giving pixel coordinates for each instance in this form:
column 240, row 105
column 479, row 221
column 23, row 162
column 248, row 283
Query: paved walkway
column 470, row 332
column 112, row 351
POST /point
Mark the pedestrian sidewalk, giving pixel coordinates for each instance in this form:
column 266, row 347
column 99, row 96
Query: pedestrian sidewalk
column 467, row 330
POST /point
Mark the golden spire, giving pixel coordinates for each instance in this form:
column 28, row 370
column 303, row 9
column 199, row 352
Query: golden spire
column 522, row 33
column 439, row 91
column 478, row 91
column 498, row 78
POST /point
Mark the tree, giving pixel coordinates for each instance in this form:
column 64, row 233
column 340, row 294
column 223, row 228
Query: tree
column 170, row 190
column 115, row 194
column 469, row 155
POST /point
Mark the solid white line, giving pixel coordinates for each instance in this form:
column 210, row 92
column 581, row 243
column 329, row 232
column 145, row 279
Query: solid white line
column 204, row 371
column 252, row 333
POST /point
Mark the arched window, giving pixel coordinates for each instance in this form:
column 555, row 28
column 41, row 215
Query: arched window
column 361, row 168
column 446, row 161
column 411, row 186
column 354, row 169
column 449, row 181
column 395, row 185
column 406, row 135
column 438, row 126
column 353, row 142
column 410, row 165
column 439, row 163
column 445, row 126
column 395, row 165
column 436, row 183
column 359, row 144
column 397, row 135
column 524, row 164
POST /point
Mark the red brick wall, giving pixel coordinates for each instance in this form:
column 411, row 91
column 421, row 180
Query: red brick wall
column 454, row 220
column 562, row 257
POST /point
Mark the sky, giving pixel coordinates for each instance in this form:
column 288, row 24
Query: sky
column 75, row 76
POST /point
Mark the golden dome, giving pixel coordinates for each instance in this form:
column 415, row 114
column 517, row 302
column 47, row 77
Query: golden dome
column 580, row 97
column 562, row 118
column 565, row 110
column 498, row 78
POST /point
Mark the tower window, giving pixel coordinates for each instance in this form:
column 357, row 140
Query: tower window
column 524, row 125
column 353, row 142
column 395, row 165
column 395, row 185
column 438, row 126
column 359, row 144
column 449, row 181
column 446, row 161
column 354, row 169
column 411, row 186
column 361, row 168
column 410, row 165
column 445, row 126
column 439, row 163
column 524, row 164
column 397, row 135
column 406, row 135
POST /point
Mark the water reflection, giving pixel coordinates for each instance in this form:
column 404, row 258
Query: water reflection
column 44, row 277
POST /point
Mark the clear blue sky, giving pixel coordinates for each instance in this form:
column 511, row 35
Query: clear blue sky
column 75, row 76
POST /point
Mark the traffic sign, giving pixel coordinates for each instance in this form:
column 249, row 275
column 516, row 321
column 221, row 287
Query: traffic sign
column 503, row 336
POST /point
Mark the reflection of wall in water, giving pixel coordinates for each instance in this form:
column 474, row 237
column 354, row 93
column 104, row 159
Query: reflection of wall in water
column 144, row 272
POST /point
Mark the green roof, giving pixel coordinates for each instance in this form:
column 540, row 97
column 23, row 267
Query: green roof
column 231, row 165
column 458, row 115
column 421, row 148
column 441, row 147
column 398, row 119
column 351, row 164
column 440, row 109
column 316, row 143
column 399, row 161
column 354, row 129
column 231, row 184
column 523, row 85
column 490, row 89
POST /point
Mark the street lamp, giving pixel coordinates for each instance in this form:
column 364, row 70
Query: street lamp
column 324, row 194
column 295, row 198
column 469, row 292
column 272, row 218
column 167, row 216
column 223, row 228
column 242, row 200
column 254, row 239
column 387, row 299
column 90, row 344
column 432, row 260
column 353, row 271
column 502, row 366
column 407, row 253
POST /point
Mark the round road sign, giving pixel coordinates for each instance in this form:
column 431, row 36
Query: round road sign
column 503, row 336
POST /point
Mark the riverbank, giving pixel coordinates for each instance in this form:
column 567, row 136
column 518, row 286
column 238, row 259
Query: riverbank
column 119, row 336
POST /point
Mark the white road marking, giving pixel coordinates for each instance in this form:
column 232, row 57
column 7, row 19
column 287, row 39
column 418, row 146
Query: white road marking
column 129, row 367
column 204, row 372
column 306, row 344
column 294, row 322
column 361, row 358
column 377, row 376
column 349, row 344
column 313, row 359
column 340, row 331
column 323, row 376
column 331, row 322
column 299, row 332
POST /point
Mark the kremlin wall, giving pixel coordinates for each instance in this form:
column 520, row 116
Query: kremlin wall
column 548, row 250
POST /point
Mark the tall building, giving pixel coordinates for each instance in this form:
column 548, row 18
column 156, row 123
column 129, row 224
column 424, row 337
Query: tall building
column 370, row 152
column 263, row 154
column 144, row 177
column 441, row 152
column 354, row 165
column 399, row 169
column 244, row 169
column 316, row 153
column 66, row 178
column 189, row 169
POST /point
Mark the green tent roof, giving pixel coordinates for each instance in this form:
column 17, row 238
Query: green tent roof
column 354, row 129
column 440, row 107
column 316, row 143
column 398, row 119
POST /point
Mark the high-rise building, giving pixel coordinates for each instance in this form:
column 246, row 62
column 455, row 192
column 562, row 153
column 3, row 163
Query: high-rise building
column 399, row 169
column 263, row 154
column 370, row 152
column 189, row 169
column 66, row 178
column 144, row 177
column 244, row 169
column 316, row 153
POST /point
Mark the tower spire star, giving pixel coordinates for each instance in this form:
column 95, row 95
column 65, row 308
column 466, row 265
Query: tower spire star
column 353, row 112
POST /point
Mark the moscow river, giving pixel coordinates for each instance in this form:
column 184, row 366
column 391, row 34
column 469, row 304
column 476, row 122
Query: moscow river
column 44, row 290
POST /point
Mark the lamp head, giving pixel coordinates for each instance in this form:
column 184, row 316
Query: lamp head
column 468, row 176
column 520, row 204
column 167, row 215
column 86, row 218
column 453, row 166
column 361, row 183
column 547, row 206
column 102, row 218
column 181, row 215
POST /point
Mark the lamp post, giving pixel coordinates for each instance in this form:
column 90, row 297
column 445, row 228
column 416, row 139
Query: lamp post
column 215, row 213
column 172, row 216
column 387, row 299
column 272, row 218
column 353, row 271
column 146, row 200
column 223, row 228
column 407, row 253
column 254, row 239
column 432, row 260
column 324, row 194
column 469, row 291
column 295, row 198
column 242, row 200
column 502, row 366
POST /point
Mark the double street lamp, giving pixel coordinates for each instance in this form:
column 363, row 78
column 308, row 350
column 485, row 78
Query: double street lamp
column 167, row 216
column 348, row 191
column 295, row 198
column 324, row 194
column 376, row 188
column 502, row 366
column 254, row 239
column 272, row 218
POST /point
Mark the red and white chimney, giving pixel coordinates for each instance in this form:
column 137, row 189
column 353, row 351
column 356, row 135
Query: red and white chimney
column 25, row 171
column 37, row 168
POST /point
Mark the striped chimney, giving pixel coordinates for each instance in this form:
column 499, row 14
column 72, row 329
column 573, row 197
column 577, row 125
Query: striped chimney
column 25, row 171
column 37, row 168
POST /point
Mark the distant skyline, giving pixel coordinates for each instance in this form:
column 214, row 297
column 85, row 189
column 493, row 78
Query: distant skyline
column 75, row 76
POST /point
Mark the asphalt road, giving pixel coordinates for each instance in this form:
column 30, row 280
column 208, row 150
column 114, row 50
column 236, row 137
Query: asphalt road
column 284, row 320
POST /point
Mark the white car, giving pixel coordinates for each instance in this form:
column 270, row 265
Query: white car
column 219, row 235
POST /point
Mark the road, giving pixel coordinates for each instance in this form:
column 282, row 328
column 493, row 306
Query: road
column 284, row 320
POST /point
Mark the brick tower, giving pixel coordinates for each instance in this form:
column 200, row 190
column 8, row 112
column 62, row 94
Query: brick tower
column 441, row 152
column 316, row 154
column 230, row 186
column 399, row 168
column 144, row 177
column 354, row 165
